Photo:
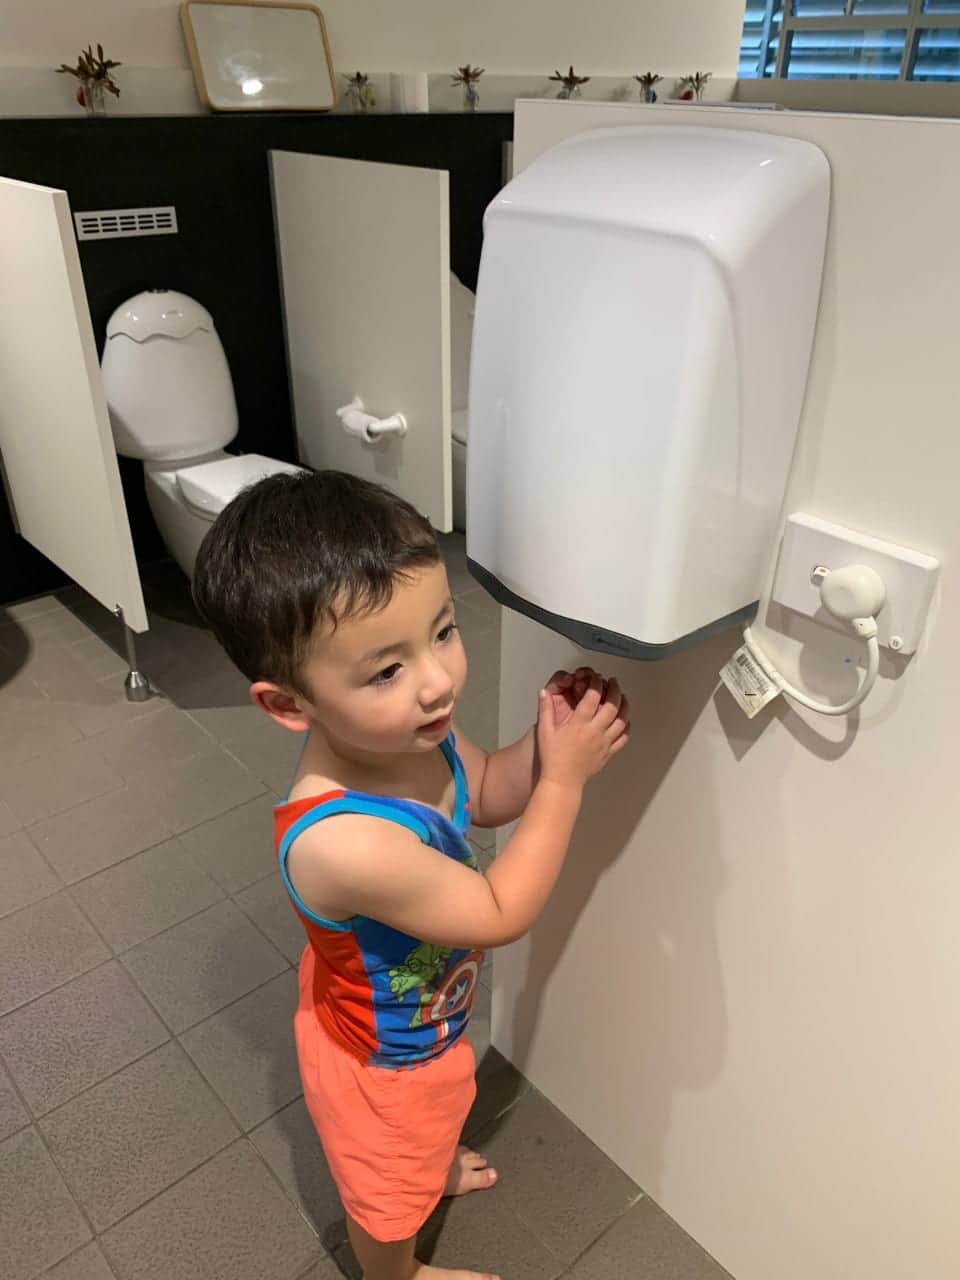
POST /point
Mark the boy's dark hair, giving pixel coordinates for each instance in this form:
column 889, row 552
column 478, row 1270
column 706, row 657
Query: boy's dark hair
column 292, row 548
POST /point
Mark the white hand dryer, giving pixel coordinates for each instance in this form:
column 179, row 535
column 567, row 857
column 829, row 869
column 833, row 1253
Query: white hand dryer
column 645, row 314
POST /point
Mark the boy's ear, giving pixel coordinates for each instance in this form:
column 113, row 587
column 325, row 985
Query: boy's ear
column 280, row 705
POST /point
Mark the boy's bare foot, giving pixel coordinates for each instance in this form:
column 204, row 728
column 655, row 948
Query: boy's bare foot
column 469, row 1172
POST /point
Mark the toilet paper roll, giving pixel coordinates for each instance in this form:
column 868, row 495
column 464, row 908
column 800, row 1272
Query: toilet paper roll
column 409, row 92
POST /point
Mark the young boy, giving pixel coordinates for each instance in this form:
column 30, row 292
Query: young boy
column 330, row 596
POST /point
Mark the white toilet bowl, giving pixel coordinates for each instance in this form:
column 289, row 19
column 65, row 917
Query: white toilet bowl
column 186, row 501
column 171, row 403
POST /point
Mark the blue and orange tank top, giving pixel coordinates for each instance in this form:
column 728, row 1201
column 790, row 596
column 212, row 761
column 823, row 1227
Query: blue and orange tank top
column 390, row 999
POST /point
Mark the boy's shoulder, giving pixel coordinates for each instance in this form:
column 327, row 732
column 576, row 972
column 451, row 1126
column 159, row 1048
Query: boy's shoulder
column 314, row 786
column 426, row 780
column 332, row 863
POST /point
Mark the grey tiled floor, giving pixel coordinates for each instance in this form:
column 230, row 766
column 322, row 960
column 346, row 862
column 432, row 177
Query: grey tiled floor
column 151, row 1122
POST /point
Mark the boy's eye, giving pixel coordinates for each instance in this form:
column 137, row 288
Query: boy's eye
column 446, row 632
column 386, row 675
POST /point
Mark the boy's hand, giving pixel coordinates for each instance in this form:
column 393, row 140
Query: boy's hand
column 561, row 692
column 583, row 721
column 565, row 689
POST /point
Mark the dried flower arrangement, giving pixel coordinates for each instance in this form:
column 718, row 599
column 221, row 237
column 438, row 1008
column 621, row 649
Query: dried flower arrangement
column 648, row 82
column 571, row 83
column 93, row 72
column 469, row 77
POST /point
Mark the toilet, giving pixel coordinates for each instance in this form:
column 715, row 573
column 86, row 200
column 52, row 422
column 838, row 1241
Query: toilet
column 171, row 402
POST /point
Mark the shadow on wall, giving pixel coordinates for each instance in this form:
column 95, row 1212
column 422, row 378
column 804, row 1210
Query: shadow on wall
column 675, row 965
column 652, row 958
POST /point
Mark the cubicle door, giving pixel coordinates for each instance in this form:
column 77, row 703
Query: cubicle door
column 55, row 440
column 364, row 255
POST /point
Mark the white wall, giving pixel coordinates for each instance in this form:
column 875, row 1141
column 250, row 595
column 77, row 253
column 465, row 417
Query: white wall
column 745, row 987
column 607, row 38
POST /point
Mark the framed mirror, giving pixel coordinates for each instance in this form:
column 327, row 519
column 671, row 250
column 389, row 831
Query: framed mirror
column 256, row 55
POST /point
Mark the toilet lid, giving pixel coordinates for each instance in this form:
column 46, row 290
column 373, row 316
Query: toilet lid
column 211, row 485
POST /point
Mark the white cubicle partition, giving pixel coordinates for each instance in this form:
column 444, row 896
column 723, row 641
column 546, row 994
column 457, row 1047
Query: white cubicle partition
column 55, row 439
column 364, row 253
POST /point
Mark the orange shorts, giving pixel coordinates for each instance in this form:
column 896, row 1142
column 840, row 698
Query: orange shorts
column 389, row 1134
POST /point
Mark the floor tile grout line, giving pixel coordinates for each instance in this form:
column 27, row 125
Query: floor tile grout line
column 114, row 953
column 58, row 813
column 246, row 768
column 606, row 1230
column 260, row 778
column 98, row 1233
column 27, row 1110
column 118, row 958
column 92, row 736
column 477, row 1135
column 150, row 937
column 165, row 698
column 217, row 1012
column 241, row 1137
column 301, row 1275
column 535, row 1232
column 127, row 857
column 66, row 1258
column 171, row 1037
column 26, row 832
column 131, row 780
column 177, row 1034
column 286, row 1193
column 4, row 1013
column 295, row 965
column 68, row 1184
column 172, row 835
column 89, row 1088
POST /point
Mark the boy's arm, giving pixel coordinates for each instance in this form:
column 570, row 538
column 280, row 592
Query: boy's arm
column 353, row 864
column 358, row 865
column 501, row 782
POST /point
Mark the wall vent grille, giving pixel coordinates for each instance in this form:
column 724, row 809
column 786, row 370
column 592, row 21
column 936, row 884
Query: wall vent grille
column 111, row 224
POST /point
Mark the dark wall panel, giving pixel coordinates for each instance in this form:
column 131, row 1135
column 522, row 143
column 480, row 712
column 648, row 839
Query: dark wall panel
column 215, row 170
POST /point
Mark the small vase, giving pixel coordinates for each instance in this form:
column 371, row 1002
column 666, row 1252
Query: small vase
column 471, row 97
column 94, row 98
column 567, row 92
column 648, row 95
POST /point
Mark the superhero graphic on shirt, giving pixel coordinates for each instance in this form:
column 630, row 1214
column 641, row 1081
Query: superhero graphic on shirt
column 443, row 990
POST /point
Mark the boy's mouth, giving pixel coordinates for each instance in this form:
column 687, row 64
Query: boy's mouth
column 438, row 725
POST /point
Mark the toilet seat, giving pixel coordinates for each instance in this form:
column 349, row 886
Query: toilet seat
column 208, row 487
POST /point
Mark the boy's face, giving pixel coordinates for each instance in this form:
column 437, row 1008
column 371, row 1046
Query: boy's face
column 387, row 681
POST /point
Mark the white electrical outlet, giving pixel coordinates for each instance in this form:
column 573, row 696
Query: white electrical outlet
column 811, row 545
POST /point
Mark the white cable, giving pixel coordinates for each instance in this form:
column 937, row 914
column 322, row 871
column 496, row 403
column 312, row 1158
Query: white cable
column 825, row 708
column 854, row 595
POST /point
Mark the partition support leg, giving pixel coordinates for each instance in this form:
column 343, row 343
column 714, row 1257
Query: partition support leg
column 136, row 686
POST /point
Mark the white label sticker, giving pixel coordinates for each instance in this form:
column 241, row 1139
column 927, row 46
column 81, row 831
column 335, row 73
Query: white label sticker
column 751, row 687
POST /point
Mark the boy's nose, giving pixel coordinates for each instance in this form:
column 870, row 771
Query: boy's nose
column 436, row 692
